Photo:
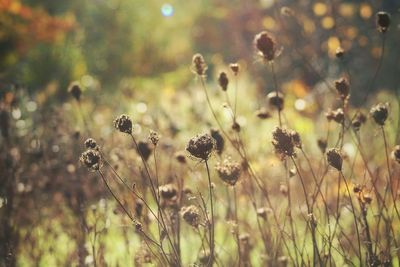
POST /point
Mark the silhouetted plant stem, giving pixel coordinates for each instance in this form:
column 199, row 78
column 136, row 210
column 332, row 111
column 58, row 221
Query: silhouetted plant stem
column 212, row 222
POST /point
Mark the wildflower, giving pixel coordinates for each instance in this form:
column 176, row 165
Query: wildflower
column 396, row 153
column 276, row 100
column 343, row 88
column 90, row 143
column 359, row 119
column 263, row 113
column 191, row 215
column 201, row 146
column 123, row 124
column 199, row 66
column 379, row 113
column 223, row 81
column 339, row 52
column 334, row 158
column 144, row 150
column 235, row 68
column 383, row 21
column 265, row 46
column 229, row 171
column 154, row 137
column 168, row 191
column 75, row 90
column 283, row 142
column 91, row 159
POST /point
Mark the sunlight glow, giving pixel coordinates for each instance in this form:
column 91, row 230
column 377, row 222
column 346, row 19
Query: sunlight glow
column 167, row 10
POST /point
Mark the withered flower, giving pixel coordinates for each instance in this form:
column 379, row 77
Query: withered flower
column 229, row 171
column 219, row 140
column 180, row 157
column 75, row 90
column 235, row 68
column 263, row 113
column 168, row 191
column 343, row 88
column 334, row 158
column 396, row 153
column 359, row 120
column 336, row 115
column 276, row 100
column 339, row 52
column 123, row 124
column 154, row 137
column 379, row 113
column 282, row 141
column 223, row 81
column 322, row 144
column 265, row 46
column 191, row 215
column 144, row 150
column 383, row 21
column 91, row 159
column 201, row 146
column 199, row 66
column 90, row 143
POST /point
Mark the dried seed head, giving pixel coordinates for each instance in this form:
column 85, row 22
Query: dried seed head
column 168, row 191
column 199, row 66
column 236, row 126
column 357, row 188
column 138, row 226
column 180, row 157
column 123, row 124
column 219, row 140
column 223, row 81
column 263, row 212
column 191, row 215
column 383, row 21
column 263, row 113
column 359, row 120
column 339, row 52
column 75, row 90
column 265, row 46
column 90, row 143
column 380, row 113
column 396, row 153
column 283, row 143
column 144, row 150
column 336, row 115
column 205, row 257
column 296, row 139
column 334, row 158
column 276, row 100
column 201, row 146
column 91, row 159
column 229, row 171
column 154, row 137
column 343, row 88
column 367, row 198
column 235, row 68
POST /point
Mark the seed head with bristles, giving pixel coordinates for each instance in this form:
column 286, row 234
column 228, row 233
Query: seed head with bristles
column 201, row 146
column 334, row 158
column 229, row 171
column 123, row 124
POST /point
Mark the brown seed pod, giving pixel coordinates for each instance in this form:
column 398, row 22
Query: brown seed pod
column 383, row 21
column 339, row 52
column 223, row 81
column 144, row 150
column 322, row 144
column 334, row 158
column 263, row 113
column 343, row 88
column 396, row 153
column 201, row 146
column 123, row 124
column 219, row 140
column 236, row 126
column 75, row 90
column 336, row 115
column 168, row 191
column 265, row 45
column 283, row 143
column 379, row 113
column 359, row 120
column 91, row 159
column 276, row 100
column 90, row 143
column 154, row 137
column 180, row 157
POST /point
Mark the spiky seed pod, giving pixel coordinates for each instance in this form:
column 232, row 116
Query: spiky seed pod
column 339, row 52
column 144, row 150
column 263, row 113
column 91, row 159
column 265, row 46
column 235, row 68
column 180, row 157
column 396, row 153
column 191, row 215
column 219, row 140
column 223, row 81
column 75, row 90
column 359, row 120
column 201, row 146
column 199, row 66
column 123, row 124
column 229, row 171
column 334, row 158
column 276, row 100
column 154, row 137
column 379, row 113
column 322, row 144
column 296, row 139
column 343, row 88
column 90, row 143
column 168, row 191
column 383, row 21
column 283, row 143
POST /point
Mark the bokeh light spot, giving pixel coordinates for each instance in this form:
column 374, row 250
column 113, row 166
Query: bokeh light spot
column 167, row 10
column 320, row 9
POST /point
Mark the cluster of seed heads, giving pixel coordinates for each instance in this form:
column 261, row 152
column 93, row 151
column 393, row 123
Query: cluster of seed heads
column 201, row 146
column 229, row 171
column 285, row 141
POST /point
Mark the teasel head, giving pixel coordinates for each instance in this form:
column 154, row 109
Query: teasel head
column 199, row 66
column 91, row 159
column 265, row 46
column 191, row 215
column 201, row 146
column 90, row 143
column 396, row 153
column 223, row 81
column 144, row 150
column 154, row 137
column 229, row 171
column 343, row 88
column 334, row 158
column 75, row 90
column 380, row 113
column 276, row 100
column 283, row 143
column 123, row 124
column 383, row 21
column 235, row 68
column 219, row 140
column 359, row 120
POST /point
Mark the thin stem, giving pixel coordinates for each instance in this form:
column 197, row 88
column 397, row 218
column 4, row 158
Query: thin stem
column 276, row 91
column 211, row 232
column 237, row 226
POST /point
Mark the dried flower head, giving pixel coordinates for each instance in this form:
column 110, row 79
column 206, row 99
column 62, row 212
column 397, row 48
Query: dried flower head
column 367, row 198
column 229, row 171
column 199, row 66
column 180, row 157
column 343, row 88
column 168, row 191
column 235, row 68
column 282, row 140
column 383, row 21
column 379, row 113
column 90, row 143
column 263, row 212
column 75, row 90
column 396, row 153
column 263, row 114
column 265, row 46
column 223, row 81
column 154, row 137
column 201, row 146
column 358, row 120
column 339, row 52
column 336, row 115
column 91, row 159
column 276, row 100
column 219, row 140
column 123, row 124
column 144, row 150
column 357, row 189
column 296, row 139
column 334, row 158
column 191, row 215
